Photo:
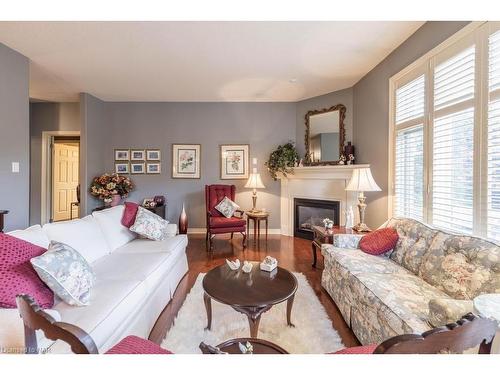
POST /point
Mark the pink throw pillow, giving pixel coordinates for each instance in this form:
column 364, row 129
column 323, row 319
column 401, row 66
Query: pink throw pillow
column 17, row 275
column 129, row 214
column 379, row 241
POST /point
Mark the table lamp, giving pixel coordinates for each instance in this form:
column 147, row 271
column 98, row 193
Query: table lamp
column 361, row 181
column 254, row 182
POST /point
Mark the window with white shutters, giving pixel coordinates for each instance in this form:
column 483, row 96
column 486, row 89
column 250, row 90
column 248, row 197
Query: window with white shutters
column 409, row 151
column 493, row 179
column 445, row 128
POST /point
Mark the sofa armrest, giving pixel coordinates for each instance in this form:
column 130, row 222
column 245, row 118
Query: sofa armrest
column 346, row 241
column 446, row 310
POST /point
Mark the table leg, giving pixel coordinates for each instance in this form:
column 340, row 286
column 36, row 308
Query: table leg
column 267, row 227
column 315, row 257
column 254, row 230
column 289, row 306
column 258, row 230
column 208, row 307
column 254, row 326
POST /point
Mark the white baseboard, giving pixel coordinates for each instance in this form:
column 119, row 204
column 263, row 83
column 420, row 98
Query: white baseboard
column 262, row 231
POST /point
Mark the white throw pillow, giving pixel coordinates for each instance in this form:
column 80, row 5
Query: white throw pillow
column 114, row 232
column 84, row 235
column 150, row 225
column 227, row 207
column 66, row 273
column 33, row 234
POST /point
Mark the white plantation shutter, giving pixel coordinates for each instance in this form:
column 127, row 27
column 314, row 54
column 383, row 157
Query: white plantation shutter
column 493, row 151
column 452, row 179
column 409, row 176
column 409, row 149
column 453, row 142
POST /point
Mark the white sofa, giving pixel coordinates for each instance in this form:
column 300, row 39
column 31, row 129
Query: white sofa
column 135, row 277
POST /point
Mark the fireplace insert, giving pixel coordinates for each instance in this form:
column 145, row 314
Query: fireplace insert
column 310, row 212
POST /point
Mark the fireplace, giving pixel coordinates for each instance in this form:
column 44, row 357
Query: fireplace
column 310, row 212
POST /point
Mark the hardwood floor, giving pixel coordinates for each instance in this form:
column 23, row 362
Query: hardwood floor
column 292, row 253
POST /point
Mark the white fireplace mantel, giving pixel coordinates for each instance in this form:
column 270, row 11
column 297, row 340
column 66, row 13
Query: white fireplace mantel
column 318, row 182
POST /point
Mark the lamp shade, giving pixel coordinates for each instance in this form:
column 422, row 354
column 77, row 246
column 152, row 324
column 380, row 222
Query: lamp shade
column 254, row 181
column 362, row 180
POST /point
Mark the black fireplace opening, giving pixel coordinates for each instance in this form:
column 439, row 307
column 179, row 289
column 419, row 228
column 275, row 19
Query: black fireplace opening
column 310, row 212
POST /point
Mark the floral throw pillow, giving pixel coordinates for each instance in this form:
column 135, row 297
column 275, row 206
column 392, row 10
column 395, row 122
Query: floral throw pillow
column 66, row 273
column 149, row 225
column 227, row 207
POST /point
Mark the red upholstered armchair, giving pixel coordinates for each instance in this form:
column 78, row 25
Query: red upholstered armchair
column 218, row 223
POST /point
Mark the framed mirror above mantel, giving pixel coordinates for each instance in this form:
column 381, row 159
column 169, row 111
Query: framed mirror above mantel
column 325, row 135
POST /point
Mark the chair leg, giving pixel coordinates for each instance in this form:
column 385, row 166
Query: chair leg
column 244, row 242
column 232, row 234
column 206, row 237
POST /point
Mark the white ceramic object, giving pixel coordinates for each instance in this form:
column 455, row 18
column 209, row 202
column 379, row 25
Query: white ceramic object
column 247, row 267
column 245, row 348
column 233, row 265
column 268, row 264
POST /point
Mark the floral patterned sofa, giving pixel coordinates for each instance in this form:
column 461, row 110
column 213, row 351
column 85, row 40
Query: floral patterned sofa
column 429, row 279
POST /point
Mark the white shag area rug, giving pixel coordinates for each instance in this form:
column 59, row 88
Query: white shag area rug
column 313, row 331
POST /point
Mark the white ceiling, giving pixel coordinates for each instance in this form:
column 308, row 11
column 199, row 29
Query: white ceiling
column 200, row 61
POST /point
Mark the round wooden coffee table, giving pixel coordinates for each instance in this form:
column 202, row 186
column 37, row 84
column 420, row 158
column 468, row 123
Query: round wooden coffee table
column 251, row 293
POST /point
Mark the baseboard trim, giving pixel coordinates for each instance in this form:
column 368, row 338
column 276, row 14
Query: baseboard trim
column 204, row 230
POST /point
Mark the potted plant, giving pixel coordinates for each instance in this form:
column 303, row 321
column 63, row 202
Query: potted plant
column 111, row 188
column 282, row 160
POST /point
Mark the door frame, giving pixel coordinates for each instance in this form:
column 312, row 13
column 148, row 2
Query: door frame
column 46, row 173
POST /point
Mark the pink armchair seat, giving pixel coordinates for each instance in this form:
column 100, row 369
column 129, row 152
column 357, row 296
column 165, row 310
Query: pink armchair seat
column 218, row 223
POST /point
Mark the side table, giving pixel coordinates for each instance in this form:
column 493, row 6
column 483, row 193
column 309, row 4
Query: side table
column 257, row 217
column 2, row 214
column 325, row 236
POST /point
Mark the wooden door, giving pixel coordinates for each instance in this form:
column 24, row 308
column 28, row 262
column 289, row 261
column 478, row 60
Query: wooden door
column 64, row 180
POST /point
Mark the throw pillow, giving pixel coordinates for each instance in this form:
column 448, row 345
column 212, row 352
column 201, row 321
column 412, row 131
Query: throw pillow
column 379, row 241
column 66, row 272
column 129, row 214
column 227, row 207
column 17, row 276
column 150, row 225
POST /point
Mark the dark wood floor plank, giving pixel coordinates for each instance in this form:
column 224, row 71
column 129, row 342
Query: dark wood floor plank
column 292, row 253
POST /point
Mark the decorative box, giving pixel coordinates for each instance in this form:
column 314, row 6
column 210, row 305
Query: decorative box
column 268, row 264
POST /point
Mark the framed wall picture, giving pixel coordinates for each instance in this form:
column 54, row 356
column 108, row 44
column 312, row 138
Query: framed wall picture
column 137, row 168
column 122, row 154
column 137, row 155
column 153, row 168
column 234, row 162
column 153, row 155
column 122, row 168
column 186, row 161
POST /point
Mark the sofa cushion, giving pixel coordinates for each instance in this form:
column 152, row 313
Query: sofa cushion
column 84, row 235
column 113, row 303
column 414, row 241
column 137, row 345
column 367, row 349
column 33, row 234
column 110, row 221
column 143, row 245
column 129, row 214
column 224, row 222
column 462, row 266
column 66, row 272
column 379, row 242
column 17, row 276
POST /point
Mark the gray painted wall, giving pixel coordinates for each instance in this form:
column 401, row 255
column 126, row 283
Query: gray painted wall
column 95, row 134
column 46, row 117
column 371, row 109
column 14, row 137
column 344, row 97
column 158, row 125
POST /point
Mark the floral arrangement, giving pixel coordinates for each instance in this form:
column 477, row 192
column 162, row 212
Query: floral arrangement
column 328, row 223
column 107, row 185
column 282, row 160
